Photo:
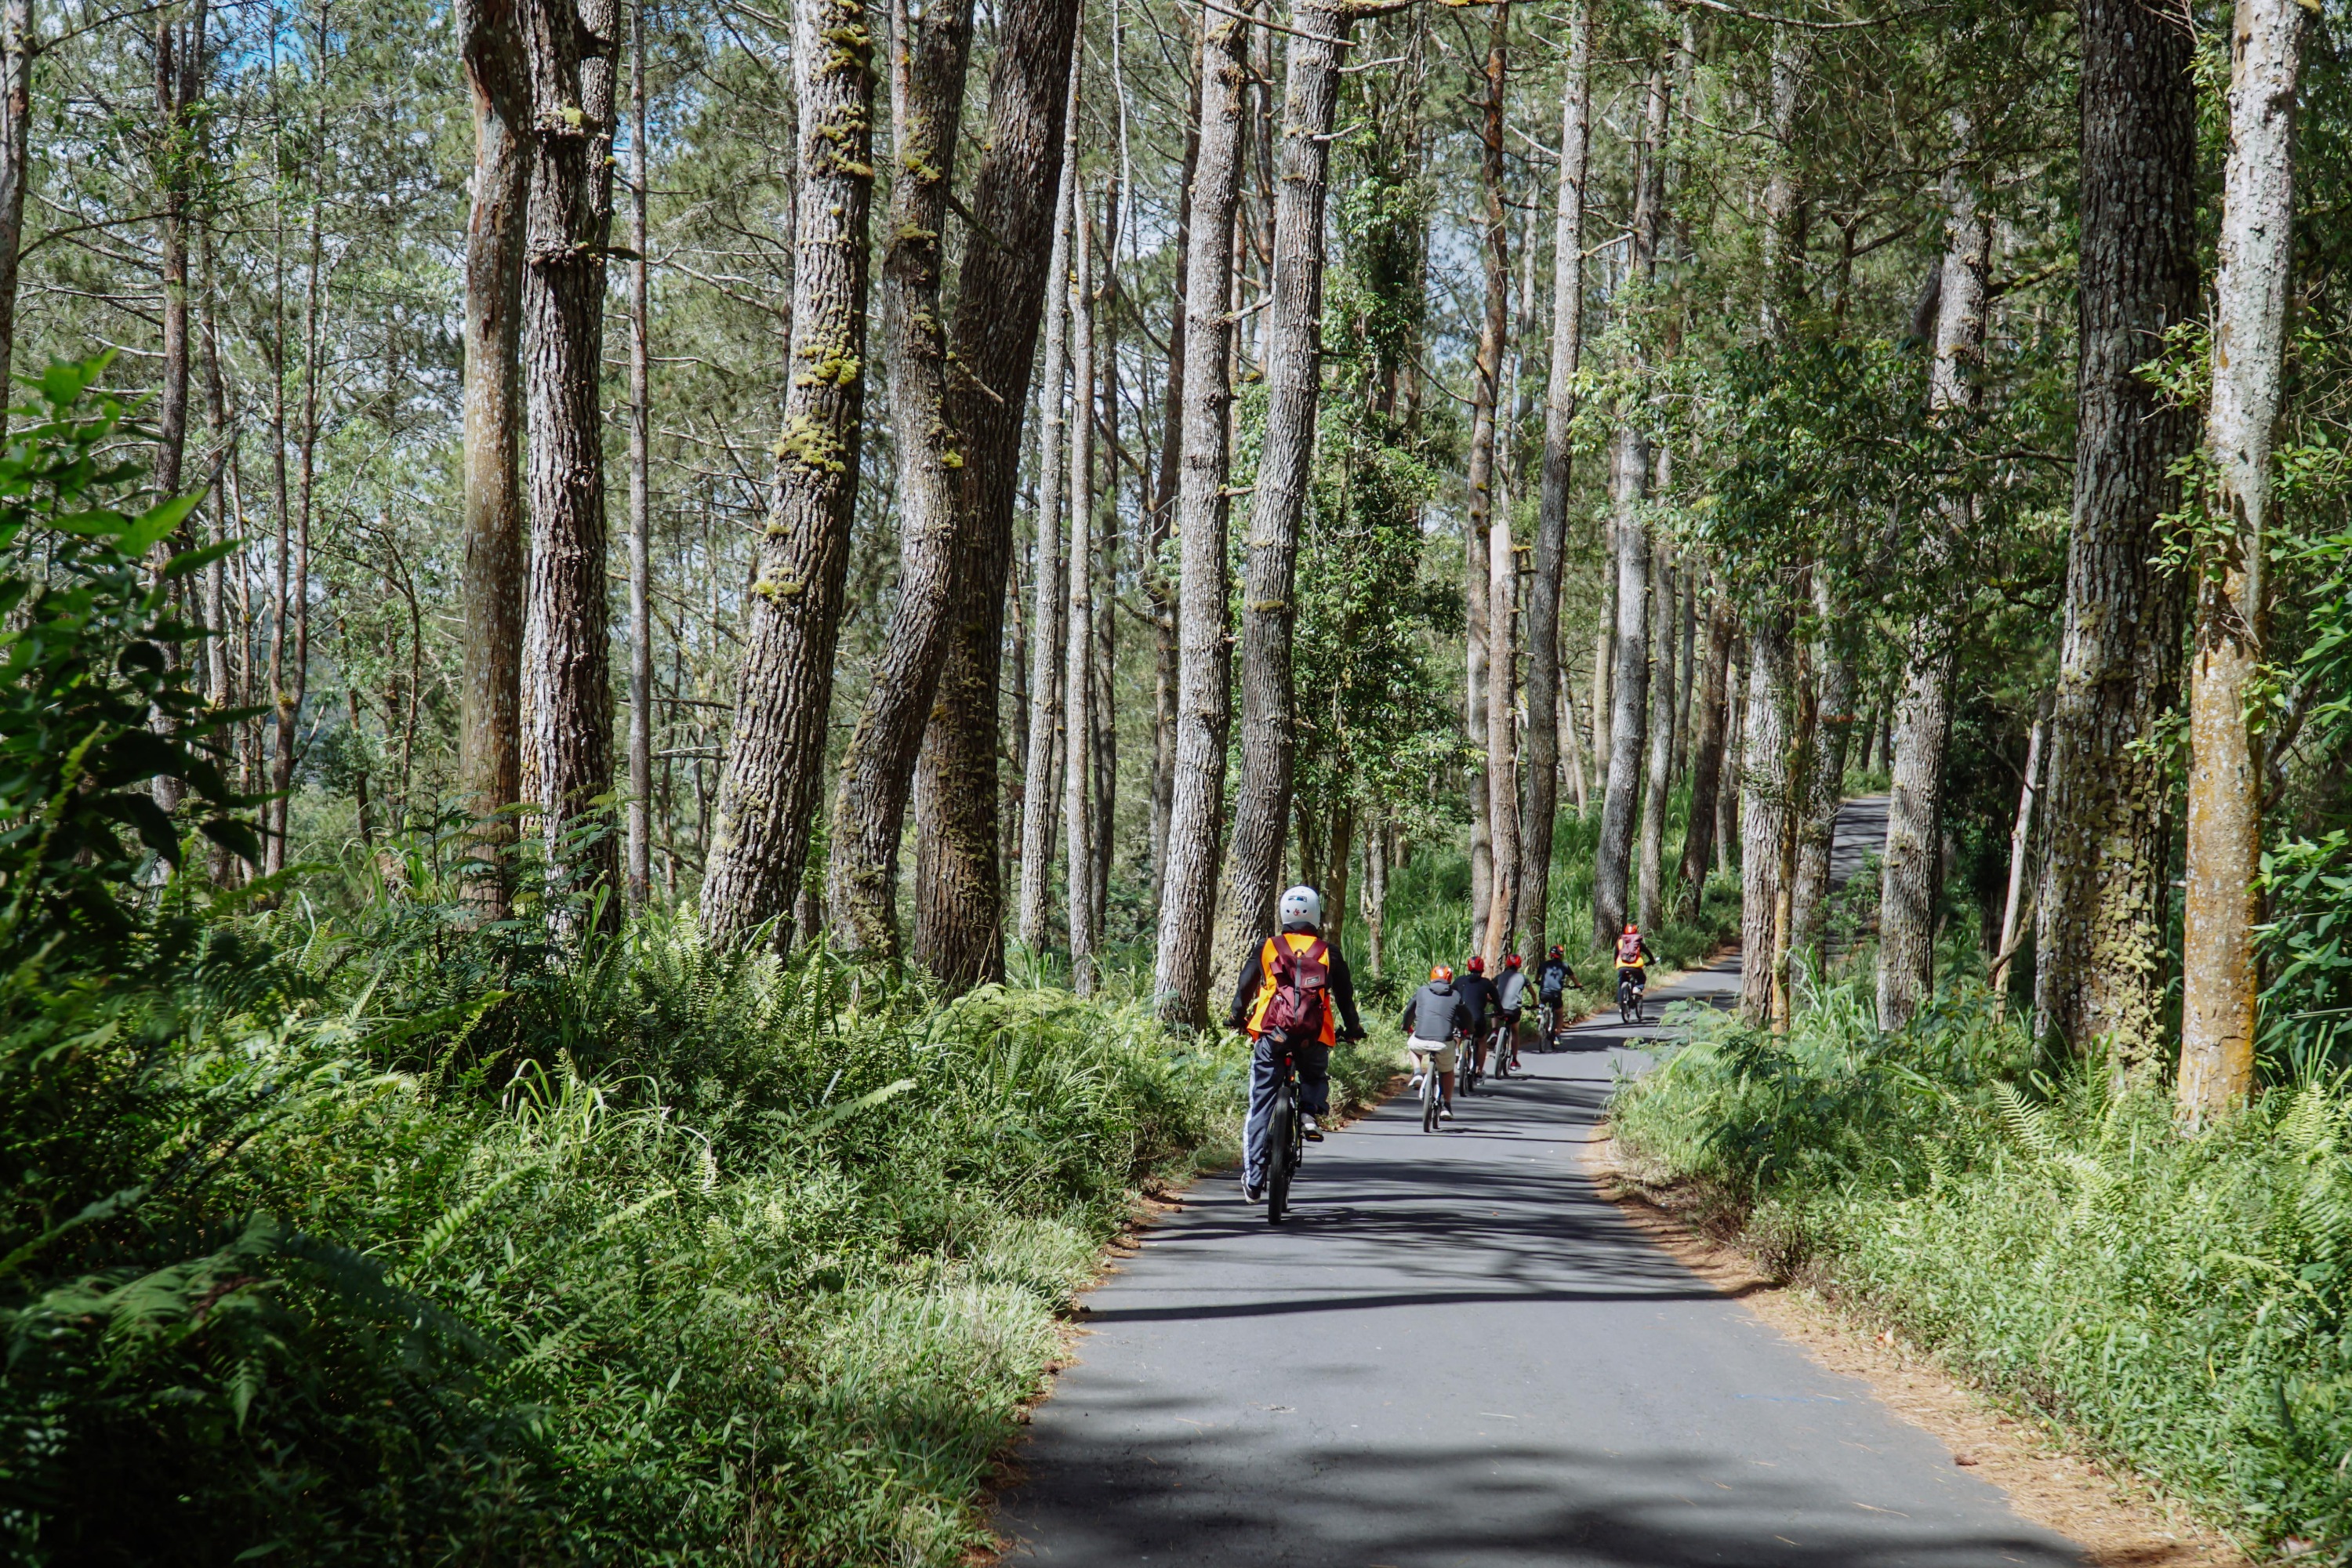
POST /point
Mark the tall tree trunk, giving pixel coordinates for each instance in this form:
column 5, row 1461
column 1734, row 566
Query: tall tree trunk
column 1706, row 755
column 574, row 60
column 1763, row 810
column 1483, row 616
column 180, row 69
column 17, row 48
column 1188, row 902
column 2021, row 849
column 1165, row 674
column 775, row 763
column 1049, row 596
column 1629, row 478
column 2220, row 977
column 1293, row 351
column 489, row 723
column 1078, row 677
column 1001, row 297
column 2099, row 974
column 1657, row 778
column 1734, row 752
column 639, row 868
column 929, row 45
column 1833, row 726
column 1922, row 709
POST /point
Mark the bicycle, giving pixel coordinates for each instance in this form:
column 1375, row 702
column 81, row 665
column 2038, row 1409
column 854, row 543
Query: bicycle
column 1547, row 1025
column 1286, row 1141
column 1431, row 1089
column 1506, row 1047
column 1628, row 998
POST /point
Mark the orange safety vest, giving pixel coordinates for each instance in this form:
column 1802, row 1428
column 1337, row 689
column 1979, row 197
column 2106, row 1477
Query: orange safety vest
column 1299, row 940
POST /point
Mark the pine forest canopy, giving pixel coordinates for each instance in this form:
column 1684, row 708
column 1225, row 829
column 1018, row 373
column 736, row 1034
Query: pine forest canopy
column 966, row 480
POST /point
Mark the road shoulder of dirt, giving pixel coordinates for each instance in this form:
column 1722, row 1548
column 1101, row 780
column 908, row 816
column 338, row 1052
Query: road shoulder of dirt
column 2115, row 1514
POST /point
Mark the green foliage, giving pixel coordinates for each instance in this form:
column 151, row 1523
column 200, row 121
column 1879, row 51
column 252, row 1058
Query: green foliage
column 2182, row 1302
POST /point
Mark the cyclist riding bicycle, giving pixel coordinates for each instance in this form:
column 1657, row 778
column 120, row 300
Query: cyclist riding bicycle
column 1632, row 954
column 1435, row 1018
column 1297, row 951
column 1485, row 1005
column 1552, row 981
column 1511, row 996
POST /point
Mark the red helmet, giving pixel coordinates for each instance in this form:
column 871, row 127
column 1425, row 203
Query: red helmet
column 1510, row 961
column 1631, row 928
column 1556, row 952
column 1439, row 972
column 1476, row 966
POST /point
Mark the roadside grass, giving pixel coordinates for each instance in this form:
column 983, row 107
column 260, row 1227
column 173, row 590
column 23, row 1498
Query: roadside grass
column 2177, row 1302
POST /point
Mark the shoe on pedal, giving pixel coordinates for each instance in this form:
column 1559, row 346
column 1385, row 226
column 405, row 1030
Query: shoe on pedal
column 1310, row 1129
column 1445, row 1113
column 1253, row 1195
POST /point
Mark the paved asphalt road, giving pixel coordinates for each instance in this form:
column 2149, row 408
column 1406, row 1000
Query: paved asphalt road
column 1457, row 1352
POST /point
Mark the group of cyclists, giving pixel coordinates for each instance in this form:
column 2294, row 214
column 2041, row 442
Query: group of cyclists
column 1298, row 1000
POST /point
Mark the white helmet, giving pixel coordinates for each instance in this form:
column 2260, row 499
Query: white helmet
column 1302, row 905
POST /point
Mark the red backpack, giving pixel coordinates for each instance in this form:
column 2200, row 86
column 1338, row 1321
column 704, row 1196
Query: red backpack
column 1302, row 983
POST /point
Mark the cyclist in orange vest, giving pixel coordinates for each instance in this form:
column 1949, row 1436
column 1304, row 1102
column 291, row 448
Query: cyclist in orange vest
column 1301, row 935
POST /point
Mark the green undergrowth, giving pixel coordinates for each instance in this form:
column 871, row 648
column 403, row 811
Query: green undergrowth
column 2182, row 1303
column 378, row 1240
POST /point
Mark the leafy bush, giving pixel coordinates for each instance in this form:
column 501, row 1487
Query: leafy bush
column 2182, row 1302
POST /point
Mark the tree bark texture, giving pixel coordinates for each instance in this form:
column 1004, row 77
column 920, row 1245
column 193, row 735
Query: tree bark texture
column 1913, row 863
column 1049, row 594
column 1490, row 515
column 775, row 765
column 1763, row 809
column 575, row 53
column 17, row 48
column 2220, row 977
column 2021, row 849
column 1706, row 755
column 489, row 725
column 180, row 70
column 1001, row 297
column 1294, row 348
column 639, row 868
column 1078, row 675
column 929, row 45
column 1833, row 726
column 1204, row 703
column 2099, row 972
column 1161, row 589
column 1657, row 776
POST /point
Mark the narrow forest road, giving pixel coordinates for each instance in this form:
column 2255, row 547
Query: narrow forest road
column 1458, row 1352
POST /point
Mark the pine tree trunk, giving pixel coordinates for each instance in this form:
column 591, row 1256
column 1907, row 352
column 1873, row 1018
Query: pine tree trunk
column 1049, row 594
column 1166, row 677
column 575, row 53
column 639, row 864
column 1489, row 529
column 489, row 724
column 1658, row 769
column 1294, row 348
column 2220, row 977
column 179, row 85
column 2100, row 975
column 2020, row 848
column 1922, row 709
column 17, row 48
column 775, row 763
column 928, row 55
column 1078, row 677
column 1734, row 752
column 1706, row 756
column 1631, row 456
column 1833, row 727
column 1763, row 810
column 1188, row 904
column 1001, row 297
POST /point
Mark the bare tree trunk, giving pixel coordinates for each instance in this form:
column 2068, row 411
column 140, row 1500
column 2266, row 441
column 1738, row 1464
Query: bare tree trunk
column 489, row 724
column 1604, row 649
column 575, row 58
column 1001, row 297
column 759, row 839
column 1165, row 674
column 1923, row 710
column 1658, row 770
column 1333, row 881
column 180, row 69
column 1294, row 350
column 2100, row 974
column 1376, row 892
column 17, row 48
column 1572, row 760
column 1833, row 727
column 1763, row 811
column 1735, row 750
column 1050, row 592
column 1706, row 756
column 1629, row 479
column 2020, row 848
column 2219, row 972
column 1078, row 678
column 1188, row 904
column 639, row 869
column 929, row 45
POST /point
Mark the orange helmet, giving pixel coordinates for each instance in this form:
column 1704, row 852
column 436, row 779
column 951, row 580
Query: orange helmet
column 1439, row 972
column 1476, row 966
column 1631, row 928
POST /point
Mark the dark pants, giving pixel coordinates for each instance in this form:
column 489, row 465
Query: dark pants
column 1314, row 1061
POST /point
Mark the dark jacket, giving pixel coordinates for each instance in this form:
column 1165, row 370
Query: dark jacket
column 1553, row 977
column 1437, row 1012
column 1478, row 992
column 1253, row 976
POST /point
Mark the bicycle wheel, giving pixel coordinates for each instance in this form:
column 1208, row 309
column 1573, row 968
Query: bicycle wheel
column 1429, row 1092
column 1277, row 1162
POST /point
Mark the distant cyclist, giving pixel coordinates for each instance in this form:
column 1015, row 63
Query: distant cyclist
column 1511, row 996
column 1633, row 955
column 1485, row 1005
column 1435, row 1018
column 1552, row 981
column 1297, row 948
